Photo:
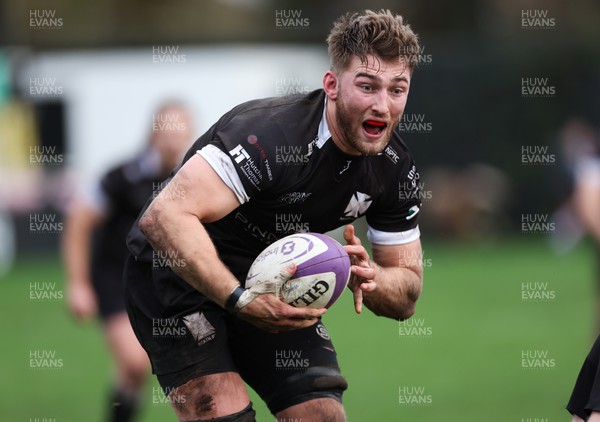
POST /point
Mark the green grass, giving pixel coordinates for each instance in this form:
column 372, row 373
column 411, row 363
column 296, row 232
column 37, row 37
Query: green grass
column 469, row 361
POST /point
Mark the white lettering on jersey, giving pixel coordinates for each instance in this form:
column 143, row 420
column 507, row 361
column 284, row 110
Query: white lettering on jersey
column 358, row 205
column 391, row 154
column 239, row 154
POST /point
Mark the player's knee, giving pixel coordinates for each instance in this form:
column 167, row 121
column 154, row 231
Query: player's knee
column 210, row 397
column 309, row 387
column 245, row 415
column 317, row 410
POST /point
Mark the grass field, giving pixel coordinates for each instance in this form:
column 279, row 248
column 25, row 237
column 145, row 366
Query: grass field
column 461, row 358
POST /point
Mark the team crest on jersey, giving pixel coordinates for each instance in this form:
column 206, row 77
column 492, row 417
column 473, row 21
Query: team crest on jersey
column 358, row 205
column 200, row 328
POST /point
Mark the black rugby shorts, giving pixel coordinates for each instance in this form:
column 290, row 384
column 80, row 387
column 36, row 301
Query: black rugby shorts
column 284, row 369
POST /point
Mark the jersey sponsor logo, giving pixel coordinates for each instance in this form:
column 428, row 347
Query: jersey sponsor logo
column 410, row 189
column 391, row 154
column 358, row 205
column 413, row 175
column 253, row 140
column 249, row 168
column 294, row 197
column 239, row 154
column 264, row 236
column 412, row 212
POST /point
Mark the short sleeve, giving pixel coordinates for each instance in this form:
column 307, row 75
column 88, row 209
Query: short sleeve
column 241, row 154
column 394, row 221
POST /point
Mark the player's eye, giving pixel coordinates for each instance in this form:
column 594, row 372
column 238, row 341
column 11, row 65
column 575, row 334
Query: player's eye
column 398, row 91
column 366, row 88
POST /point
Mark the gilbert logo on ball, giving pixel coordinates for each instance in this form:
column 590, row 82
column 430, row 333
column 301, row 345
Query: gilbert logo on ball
column 323, row 269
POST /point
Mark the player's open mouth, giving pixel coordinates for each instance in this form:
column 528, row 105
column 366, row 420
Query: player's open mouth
column 374, row 127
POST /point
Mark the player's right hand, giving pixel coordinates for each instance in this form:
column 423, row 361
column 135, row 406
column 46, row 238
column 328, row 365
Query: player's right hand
column 269, row 313
column 81, row 300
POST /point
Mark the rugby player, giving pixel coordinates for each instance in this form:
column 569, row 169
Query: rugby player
column 94, row 250
column 584, row 403
column 238, row 179
column 582, row 149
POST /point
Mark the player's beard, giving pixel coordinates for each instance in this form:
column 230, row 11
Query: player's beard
column 351, row 130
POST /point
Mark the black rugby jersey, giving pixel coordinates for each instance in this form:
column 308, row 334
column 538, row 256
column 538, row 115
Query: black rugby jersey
column 121, row 194
column 277, row 156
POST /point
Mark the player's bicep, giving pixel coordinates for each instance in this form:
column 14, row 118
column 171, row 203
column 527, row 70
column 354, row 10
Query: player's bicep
column 407, row 255
column 197, row 189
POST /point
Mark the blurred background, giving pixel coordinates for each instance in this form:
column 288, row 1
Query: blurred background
column 509, row 306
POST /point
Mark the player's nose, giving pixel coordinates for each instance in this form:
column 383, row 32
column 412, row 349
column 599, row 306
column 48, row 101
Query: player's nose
column 380, row 105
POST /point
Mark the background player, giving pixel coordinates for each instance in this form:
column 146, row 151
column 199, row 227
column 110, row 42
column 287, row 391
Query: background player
column 354, row 164
column 94, row 249
column 581, row 213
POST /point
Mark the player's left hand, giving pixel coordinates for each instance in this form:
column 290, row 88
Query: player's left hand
column 363, row 272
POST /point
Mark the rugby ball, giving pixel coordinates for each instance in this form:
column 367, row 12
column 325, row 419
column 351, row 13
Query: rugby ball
column 323, row 269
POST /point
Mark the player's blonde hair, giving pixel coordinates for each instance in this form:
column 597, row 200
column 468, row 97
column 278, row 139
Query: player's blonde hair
column 378, row 33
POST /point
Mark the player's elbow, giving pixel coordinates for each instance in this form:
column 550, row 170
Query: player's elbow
column 408, row 307
column 405, row 312
column 150, row 220
column 399, row 311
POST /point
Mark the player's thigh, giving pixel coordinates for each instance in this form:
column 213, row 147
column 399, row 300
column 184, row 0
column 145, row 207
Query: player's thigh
column 125, row 347
column 188, row 351
column 211, row 396
column 191, row 359
column 289, row 368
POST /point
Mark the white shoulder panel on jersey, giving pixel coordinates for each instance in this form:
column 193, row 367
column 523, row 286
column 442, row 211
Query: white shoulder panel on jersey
column 392, row 238
column 323, row 134
column 223, row 166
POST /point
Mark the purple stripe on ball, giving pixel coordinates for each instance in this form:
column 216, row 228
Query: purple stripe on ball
column 335, row 259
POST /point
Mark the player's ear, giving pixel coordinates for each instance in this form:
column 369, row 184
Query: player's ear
column 330, row 84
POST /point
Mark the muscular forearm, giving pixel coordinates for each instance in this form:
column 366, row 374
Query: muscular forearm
column 396, row 294
column 183, row 237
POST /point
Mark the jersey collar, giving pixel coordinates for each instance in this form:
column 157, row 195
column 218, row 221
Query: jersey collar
column 323, row 135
